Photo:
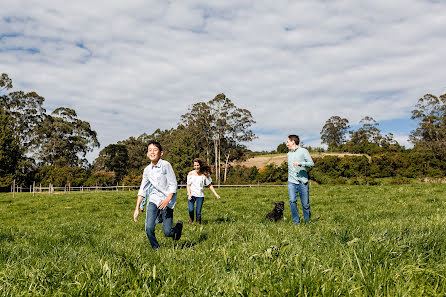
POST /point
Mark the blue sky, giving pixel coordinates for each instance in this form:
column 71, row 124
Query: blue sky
column 131, row 67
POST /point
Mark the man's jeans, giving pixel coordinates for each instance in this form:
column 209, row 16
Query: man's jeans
column 304, row 193
column 190, row 204
column 152, row 214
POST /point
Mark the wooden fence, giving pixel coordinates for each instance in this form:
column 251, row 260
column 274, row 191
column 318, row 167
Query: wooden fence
column 67, row 189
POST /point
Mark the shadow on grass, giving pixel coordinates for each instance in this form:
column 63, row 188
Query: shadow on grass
column 191, row 243
column 219, row 220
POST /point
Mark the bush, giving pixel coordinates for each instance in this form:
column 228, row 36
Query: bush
column 400, row 181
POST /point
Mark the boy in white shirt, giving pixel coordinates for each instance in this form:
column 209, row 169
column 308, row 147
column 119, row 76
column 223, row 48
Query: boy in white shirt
column 160, row 181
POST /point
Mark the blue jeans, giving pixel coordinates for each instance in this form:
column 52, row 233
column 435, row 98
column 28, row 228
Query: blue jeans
column 151, row 216
column 304, row 193
column 191, row 203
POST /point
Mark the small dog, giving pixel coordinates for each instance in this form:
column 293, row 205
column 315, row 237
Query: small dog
column 277, row 213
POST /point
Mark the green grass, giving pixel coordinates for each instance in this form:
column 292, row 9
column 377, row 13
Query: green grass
column 387, row 240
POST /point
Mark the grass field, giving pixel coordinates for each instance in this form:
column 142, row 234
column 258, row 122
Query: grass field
column 387, row 240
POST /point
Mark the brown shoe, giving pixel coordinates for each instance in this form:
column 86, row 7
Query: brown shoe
column 199, row 221
column 190, row 221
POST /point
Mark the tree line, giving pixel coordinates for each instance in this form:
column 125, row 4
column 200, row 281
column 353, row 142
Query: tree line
column 51, row 147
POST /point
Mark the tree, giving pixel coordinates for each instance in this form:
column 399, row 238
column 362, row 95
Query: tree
column 10, row 152
column 369, row 140
column 219, row 127
column 137, row 150
column 282, row 148
column 430, row 135
column 114, row 157
column 198, row 121
column 369, row 131
column 64, row 139
column 179, row 151
column 5, row 82
column 333, row 132
column 26, row 112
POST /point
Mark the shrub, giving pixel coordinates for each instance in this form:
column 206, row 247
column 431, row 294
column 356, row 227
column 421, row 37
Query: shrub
column 400, row 181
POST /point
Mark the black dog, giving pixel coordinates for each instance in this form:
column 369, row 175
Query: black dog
column 277, row 213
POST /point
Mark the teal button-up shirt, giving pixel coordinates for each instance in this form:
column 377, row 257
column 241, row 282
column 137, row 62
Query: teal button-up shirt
column 298, row 174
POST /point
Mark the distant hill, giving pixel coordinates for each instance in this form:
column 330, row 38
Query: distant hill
column 262, row 161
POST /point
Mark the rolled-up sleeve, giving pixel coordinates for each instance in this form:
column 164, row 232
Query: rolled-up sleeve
column 145, row 184
column 171, row 179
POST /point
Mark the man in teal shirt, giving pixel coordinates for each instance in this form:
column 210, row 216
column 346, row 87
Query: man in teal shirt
column 299, row 160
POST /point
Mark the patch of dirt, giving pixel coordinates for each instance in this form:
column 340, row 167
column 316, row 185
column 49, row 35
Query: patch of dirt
column 261, row 162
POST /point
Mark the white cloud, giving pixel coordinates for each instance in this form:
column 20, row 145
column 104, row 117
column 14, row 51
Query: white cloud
column 134, row 66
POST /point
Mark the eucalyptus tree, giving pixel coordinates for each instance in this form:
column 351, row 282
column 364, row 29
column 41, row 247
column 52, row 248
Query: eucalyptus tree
column 10, row 152
column 430, row 135
column 26, row 112
column 334, row 131
column 65, row 139
column 219, row 127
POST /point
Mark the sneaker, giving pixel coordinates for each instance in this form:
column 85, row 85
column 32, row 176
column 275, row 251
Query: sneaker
column 178, row 229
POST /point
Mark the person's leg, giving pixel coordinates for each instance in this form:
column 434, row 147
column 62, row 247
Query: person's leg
column 190, row 204
column 174, row 232
column 167, row 222
column 200, row 201
column 152, row 212
column 292, row 194
column 304, row 193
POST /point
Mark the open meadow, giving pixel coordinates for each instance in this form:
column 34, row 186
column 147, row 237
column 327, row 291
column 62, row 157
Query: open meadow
column 387, row 240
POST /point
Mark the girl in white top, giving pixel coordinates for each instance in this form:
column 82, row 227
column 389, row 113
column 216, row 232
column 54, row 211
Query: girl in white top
column 197, row 179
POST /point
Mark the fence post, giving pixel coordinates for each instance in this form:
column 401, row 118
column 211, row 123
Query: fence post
column 34, row 188
column 13, row 191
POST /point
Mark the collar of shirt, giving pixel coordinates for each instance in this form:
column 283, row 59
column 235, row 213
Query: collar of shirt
column 158, row 165
column 294, row 149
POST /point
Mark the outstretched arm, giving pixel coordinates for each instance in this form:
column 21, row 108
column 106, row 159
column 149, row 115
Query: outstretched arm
column 136, row 213
column 213, row 191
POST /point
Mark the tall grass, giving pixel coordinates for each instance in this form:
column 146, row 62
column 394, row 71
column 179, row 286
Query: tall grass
column 387, row 240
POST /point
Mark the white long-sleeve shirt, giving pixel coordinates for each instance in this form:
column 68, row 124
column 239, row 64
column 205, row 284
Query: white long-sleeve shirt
column 161, row 180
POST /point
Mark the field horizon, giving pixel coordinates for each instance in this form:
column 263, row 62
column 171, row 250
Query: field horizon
column 386, row 240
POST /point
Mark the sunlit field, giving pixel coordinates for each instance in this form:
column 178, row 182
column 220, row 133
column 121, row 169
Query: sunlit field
column 387, row 240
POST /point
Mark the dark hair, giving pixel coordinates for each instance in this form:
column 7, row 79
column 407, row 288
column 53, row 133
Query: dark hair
column 294, row 138
column 155, row 143
column 204, row 167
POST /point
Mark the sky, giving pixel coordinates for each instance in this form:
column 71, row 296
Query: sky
column 130, row 67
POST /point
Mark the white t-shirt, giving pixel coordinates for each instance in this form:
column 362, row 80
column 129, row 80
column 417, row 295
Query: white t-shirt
column 197, row 184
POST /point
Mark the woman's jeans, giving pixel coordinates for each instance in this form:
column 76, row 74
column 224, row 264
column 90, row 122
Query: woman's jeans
column 191, row 203
column 151, row 219
column 304, row 193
